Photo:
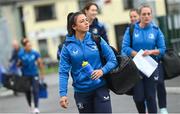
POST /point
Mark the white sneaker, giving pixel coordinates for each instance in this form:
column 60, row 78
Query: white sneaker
column 163, row 111
column 36, row 111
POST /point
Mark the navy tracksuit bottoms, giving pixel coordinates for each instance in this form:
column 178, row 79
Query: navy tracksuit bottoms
column 97, row 101
column 161, row 93
column 161, row 90
column 34, row 91
column 145, row 91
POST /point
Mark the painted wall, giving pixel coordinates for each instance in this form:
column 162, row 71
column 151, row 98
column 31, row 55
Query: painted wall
column 9, row 29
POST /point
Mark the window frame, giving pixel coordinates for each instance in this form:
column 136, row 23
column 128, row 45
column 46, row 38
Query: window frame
column 39, row 12
column 43, row 48
column 128, row 4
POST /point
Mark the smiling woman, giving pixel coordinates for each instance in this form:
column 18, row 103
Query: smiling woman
column 90, row 89
column 91, row 10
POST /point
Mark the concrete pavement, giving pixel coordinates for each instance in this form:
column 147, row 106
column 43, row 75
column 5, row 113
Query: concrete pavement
column 120, row 103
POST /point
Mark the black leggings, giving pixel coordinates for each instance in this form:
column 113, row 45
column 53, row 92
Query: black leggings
column 34, row 91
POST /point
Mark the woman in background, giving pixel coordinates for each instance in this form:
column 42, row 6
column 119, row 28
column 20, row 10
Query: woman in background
column 96, row 27
column 30, row 60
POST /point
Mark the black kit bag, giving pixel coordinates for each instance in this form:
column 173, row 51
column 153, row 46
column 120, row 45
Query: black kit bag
column 17, row 83
column 130, row 92
column 171, row 64
column 124, row 76
column 23, row 84
column 9, row 81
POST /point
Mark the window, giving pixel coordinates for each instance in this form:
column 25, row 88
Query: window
column 119, row 32
column 43, row 47
column 128, row 4
column 45, row 12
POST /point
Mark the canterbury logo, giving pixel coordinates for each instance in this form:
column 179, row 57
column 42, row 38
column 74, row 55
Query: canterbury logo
column 136, row 35
column 75, row 52
column 106, row 97
column 80, row 105
column 94, row 48
column 156, row 78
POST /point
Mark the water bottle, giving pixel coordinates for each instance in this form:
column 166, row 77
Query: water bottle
column 88, row 68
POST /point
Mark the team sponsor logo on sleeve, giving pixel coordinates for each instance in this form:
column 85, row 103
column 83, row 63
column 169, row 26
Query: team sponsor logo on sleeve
column 95, row 31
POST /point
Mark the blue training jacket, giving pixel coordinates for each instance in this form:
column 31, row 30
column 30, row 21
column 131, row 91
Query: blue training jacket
column 147, row 38
column 28, row 59
column 73, row 53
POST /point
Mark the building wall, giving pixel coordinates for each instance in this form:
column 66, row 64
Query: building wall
column 160, row 8
column 55, row 27
column 11, row 15
column 9, row 30
column 5, row 45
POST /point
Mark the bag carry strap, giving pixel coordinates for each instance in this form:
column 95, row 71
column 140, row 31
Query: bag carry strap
column 131, row 30
column 97, row 40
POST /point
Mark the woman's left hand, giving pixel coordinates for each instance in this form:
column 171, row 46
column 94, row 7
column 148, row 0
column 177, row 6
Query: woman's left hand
column 96, row 74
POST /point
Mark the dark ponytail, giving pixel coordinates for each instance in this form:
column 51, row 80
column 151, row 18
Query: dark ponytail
column 71, row 20
column 69, row 25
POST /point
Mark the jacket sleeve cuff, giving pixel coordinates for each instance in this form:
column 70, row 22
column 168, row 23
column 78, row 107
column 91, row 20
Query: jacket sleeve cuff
column 129, row 52
column 62, row 94
column 161, row 51
column 104, row 70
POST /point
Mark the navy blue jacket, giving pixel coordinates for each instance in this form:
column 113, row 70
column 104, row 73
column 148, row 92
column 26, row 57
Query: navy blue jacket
column 98, row 28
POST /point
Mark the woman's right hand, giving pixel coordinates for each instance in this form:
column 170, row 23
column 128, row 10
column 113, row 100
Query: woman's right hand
column 64, row 102
column 133, row 53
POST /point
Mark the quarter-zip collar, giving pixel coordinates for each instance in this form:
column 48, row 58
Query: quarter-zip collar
column 150, row 25
column 75, row 40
